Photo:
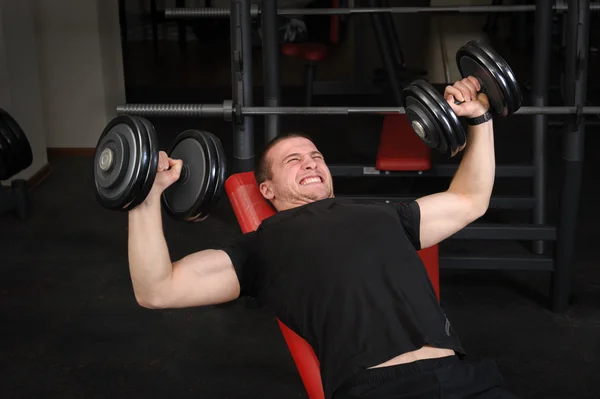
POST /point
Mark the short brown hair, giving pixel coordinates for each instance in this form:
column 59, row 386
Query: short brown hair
column 263, row 167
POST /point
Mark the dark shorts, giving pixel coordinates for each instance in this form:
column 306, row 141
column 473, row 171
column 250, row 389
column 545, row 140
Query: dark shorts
column 444, row 378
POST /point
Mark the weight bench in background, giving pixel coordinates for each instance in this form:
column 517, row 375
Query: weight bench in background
column 251, row 208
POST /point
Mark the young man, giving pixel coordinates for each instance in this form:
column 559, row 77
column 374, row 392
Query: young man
column 345, row 276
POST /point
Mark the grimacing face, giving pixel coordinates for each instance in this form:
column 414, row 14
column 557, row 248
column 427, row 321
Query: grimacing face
column 299, row 174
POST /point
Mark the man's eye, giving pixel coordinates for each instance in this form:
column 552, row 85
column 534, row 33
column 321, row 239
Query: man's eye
column 292, row 160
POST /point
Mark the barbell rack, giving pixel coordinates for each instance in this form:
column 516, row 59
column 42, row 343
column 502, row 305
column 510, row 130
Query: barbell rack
column 221, row 110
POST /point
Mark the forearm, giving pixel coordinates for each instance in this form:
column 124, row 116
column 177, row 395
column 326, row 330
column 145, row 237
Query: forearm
column 149, row 262
column 474, row 177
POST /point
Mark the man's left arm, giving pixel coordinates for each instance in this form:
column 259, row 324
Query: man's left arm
column 468, row 196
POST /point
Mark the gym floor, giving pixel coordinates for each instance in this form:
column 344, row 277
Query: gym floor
column 71, row 326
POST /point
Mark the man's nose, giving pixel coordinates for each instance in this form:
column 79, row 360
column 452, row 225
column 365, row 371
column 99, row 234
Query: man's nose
column 309, row 163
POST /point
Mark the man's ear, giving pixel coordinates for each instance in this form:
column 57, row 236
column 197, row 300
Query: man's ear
column 265, row 190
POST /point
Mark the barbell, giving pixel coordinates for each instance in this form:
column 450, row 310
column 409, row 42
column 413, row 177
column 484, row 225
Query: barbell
column 126, row 157
column 228, row 111
column 559, row 5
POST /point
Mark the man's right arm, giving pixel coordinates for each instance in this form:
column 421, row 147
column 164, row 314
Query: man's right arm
column 202, row 278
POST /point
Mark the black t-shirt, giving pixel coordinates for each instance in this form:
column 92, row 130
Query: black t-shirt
column 347, row 278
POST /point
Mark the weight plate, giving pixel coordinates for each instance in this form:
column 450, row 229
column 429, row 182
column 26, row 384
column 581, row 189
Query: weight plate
column 149, row 162
column 205, row 207
column 221, row 169
column 516, row 100
column 6, row 158
column 11, row 145
column 448, row 118
column 25, row 157
column 422, row 119
column 185, row 199
column 118, row 162
column 472, row 61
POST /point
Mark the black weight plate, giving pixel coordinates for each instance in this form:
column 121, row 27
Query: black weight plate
column 205, row 207
column 436, row 103
column 472, row 61
column 117, row 170
column 221, row 169
column 183, row 200
column 449, row 119
column 149, row 162
column 25, row 151
column 12, row 146
column 516, row 100
column 6, row 158
column 423, row 121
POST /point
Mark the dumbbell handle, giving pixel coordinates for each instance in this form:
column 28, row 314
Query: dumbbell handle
column 480, row 91
column 184, row 175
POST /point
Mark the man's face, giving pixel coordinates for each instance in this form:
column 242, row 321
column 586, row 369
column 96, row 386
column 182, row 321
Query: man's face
column 300, row 175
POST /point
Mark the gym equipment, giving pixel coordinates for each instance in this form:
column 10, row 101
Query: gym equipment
column 256, row 11
column 229, row 110
column 432, row 117
column 576, row 30
column 202, row 176
column 250, row 209
column 15, row 151
column 126, row 161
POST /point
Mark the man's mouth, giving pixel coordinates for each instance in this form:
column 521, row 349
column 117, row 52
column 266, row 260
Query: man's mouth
column 311, row 180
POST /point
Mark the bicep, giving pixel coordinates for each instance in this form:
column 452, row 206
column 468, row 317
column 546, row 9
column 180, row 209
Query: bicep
column 202, row 278
column 442, row 215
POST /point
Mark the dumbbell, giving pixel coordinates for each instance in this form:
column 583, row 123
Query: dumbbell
column 432, row 118
column 126, row 163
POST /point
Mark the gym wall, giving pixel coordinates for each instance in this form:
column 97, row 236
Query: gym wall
column 62, row 71
column 21, row 93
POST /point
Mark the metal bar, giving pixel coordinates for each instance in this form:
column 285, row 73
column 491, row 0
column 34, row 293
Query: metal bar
column 541, row 79
column 437, row 170
column 573, row 151
column 270, row 42
column 531, row 110
column 460, row 262
column 481, row 231
column 242, row 148
column 216, row 110
column 246, row 138
column 223, row 13
column 496, row 202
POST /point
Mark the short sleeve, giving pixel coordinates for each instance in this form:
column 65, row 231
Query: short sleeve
column 242, row 252
column 410, row 217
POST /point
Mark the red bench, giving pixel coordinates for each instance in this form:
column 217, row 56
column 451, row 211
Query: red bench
column 400, row 149
column 250, row 209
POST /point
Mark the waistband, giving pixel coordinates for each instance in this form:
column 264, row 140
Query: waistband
column 388, row 373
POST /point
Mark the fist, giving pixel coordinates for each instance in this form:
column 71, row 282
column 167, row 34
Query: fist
column 167, row 173
column 466, row 91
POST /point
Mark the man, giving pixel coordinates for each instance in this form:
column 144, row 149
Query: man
column 347, row 277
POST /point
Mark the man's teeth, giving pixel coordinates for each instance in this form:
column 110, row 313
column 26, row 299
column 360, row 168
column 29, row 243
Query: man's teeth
column 311, row 180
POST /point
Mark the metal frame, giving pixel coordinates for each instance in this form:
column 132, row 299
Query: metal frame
column 560, row 6
column 562, row 236
column 577, row 53
column 220, row 110
column 241, row 85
